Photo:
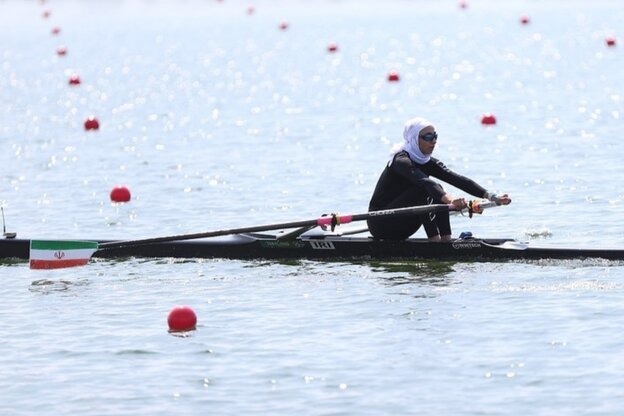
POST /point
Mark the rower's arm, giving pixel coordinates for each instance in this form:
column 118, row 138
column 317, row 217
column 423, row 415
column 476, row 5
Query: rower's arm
column 440, row 171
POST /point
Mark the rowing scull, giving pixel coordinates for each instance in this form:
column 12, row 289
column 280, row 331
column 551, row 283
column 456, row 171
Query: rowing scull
column 333, row 248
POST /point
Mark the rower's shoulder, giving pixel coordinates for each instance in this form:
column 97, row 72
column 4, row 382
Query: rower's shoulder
column 401, row 155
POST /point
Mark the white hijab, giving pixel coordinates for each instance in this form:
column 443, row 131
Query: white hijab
column 411, row 131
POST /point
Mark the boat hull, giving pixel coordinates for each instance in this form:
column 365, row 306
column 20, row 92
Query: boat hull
column 334, row 248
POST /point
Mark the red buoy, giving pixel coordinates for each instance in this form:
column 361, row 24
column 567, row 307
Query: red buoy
column 463, row 4
column 488, row 119
column 525, row 20
column 56, row 30
column 61, row 51
column 75, row 80
column 332, row 47
column 251, row 10
column 46, row 14
column 181, row 318
column 91, row 123
column 393, row 76
column 120, row 194
column 610, row 41
column 283, row 25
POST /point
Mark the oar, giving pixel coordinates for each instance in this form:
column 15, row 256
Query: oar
column 476, row 207
column 331, row 220
column 48, row 254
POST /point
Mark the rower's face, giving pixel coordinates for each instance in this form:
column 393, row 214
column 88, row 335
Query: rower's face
column 426, row 146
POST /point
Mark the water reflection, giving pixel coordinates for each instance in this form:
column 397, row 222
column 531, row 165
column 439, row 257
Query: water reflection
column 393, row 273
column 48, row 286
column 432, row 273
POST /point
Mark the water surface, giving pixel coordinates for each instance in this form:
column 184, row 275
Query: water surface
column 215, row 118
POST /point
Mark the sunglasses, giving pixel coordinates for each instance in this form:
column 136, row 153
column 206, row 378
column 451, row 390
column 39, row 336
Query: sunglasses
column 429, row 137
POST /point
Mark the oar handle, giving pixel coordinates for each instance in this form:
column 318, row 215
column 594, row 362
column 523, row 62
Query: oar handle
column 477, row 207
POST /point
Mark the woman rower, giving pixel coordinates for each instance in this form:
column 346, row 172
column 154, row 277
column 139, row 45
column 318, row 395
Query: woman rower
column 406, row 182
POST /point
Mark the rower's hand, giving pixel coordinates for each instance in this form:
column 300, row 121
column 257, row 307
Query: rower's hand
column 459, row 204
column 501, row 200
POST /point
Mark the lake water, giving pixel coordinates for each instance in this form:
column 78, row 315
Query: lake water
column 214, row 118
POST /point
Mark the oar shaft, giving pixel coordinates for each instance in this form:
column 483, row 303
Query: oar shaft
column 322, row 221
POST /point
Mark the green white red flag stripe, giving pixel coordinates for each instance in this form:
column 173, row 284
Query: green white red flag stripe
column 56, row 254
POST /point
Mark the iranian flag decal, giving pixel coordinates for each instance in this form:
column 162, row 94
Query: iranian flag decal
column 54, row 254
